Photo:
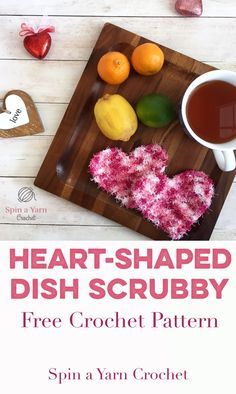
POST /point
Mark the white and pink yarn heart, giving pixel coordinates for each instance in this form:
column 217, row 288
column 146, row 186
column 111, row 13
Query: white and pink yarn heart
column 138, row 180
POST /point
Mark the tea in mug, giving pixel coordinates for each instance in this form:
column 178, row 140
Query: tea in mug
column 211, row 111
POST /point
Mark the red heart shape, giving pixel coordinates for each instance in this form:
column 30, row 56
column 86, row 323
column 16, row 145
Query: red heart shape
column 189, row 7
column 137, row 180
column 38, row 44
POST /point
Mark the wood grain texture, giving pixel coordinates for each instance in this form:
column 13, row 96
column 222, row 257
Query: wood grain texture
column 51, row 98
column 57, row 211
column 34, row 126
column 65, row 169
column 26, row 232
column 52, row 81
column 51, row 84
column 47, row 208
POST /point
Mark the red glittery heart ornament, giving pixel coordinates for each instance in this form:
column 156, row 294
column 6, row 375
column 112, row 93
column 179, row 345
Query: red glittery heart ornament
column 189, row 7
column 37, row 41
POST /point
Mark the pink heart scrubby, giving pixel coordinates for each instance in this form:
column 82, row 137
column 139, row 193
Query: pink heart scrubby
column 173, row 204
column 137, row 180
column 114, row 170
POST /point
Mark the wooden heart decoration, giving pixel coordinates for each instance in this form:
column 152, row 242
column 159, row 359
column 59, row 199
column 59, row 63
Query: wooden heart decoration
column 19, row 116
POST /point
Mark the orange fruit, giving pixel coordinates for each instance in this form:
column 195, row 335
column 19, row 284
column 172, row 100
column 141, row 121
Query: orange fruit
column 113, row 68
column 147, row 59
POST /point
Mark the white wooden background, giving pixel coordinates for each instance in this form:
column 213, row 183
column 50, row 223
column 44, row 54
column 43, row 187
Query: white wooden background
column 211, row 39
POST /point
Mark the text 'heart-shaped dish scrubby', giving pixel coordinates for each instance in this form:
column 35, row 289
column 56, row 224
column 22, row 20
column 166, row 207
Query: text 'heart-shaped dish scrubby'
column 137, row 180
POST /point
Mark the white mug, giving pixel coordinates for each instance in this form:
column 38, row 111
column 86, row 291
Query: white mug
column 224, row 152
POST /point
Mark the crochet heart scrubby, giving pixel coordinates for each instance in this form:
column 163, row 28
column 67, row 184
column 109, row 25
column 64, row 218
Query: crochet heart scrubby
column 137, row 180
column 114, row 170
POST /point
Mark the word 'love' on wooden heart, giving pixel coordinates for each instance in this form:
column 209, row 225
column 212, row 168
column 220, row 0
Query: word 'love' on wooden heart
column 19, row 116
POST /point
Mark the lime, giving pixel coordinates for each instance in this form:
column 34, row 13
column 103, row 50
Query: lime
column 155, row 110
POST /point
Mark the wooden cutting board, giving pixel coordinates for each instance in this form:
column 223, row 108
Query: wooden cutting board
column 64, row 171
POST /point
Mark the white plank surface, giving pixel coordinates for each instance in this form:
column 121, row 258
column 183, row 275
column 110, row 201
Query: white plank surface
column 84, row 233
column 45, row 81
column 110, row 7
column 51, row 83
column 51, row 210
column 23, row 156
column 47, row 208
column 206, row 39
column 67, row 233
